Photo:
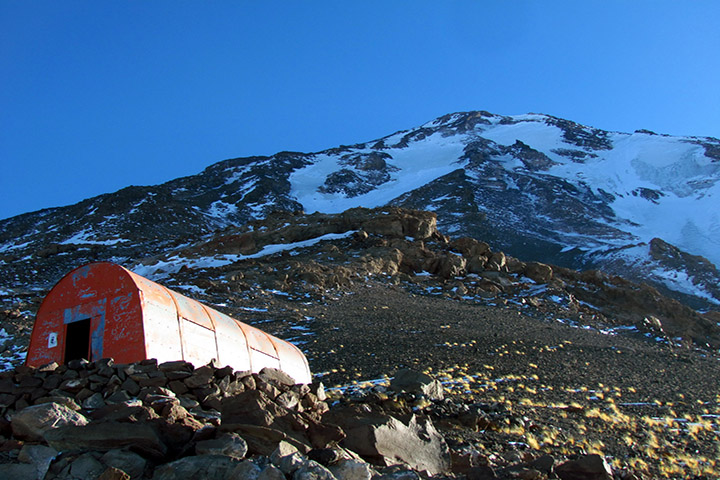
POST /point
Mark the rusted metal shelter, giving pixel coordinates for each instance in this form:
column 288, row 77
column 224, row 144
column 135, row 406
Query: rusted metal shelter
column 103, row 310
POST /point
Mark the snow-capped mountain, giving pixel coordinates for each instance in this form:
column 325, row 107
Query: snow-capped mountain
column 536, row 186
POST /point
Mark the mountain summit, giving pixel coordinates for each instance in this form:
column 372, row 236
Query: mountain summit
column 536, row 186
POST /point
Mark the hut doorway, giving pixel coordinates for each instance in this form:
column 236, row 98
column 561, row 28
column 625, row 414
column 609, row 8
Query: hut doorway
column 77, row 340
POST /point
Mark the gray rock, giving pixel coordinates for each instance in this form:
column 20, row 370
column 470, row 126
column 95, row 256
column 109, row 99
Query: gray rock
column 93, row 402
column 229, row 444
column 419, row 383
column 350, row 469
column 17, row 471
column 176, row 366
column 121, row 396
column 481, row 472
column 125, row 460
column 543, row 463
column 32, row 422
column 271, row 472
column 86, row 466
column 318, row 390
column 497, row 262
column 260, row 440
column 107, row 436
column 585, row 467
column 288, row 399
column 200, row 377
column 216, row 467
column 246, row 470
column 313, row 471
column 64, row 401
column 538, row 272
column 385, row 440
column 398, row 472
column 289, row 464
column 277, row 376
column 39, row 456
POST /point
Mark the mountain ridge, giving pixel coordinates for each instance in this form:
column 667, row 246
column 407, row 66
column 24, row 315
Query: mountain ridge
column 533, row 185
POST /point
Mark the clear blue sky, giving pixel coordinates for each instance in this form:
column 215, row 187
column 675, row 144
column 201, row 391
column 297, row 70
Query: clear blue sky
column 98, row 95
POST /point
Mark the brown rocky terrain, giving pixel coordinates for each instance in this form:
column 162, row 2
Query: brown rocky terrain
column 543, row 371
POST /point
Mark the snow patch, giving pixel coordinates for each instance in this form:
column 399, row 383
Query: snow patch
column 83, row 237
column 12, row 356
column 427, row 160
column 164, row 268
column 220, row 209
column 10, row 246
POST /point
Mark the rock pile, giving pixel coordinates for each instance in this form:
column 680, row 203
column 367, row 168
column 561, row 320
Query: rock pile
column 173, row 421
column 167, row 421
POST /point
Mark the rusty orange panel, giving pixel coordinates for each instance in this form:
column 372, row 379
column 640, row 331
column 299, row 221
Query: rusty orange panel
column 103, row 310
column 94, row 294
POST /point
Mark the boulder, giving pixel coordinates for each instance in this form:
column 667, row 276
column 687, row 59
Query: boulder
column 112, row 473
column 125, row 460
column 385, row 226
column 497, row 262
column 200, row 377
column 481, row 472
column 216, row 467
column 312, row 470
column 260, row 440
column 470, row 247
column 250, row 407
column 32, row 422
column 93, row 402
column 323, row 435
column 384, row 440
column 538, row 272
column 228, row 444
column 585, row 467
column 86, row 466
column 107, row 436
column 276, row 376
column 446, row 265
column 416, row 382
column 289, row 399
column 39, row 456
column 476, row 264
column 271, row 472
column 17, row 470
column 246, row 470
column 287, row 458
column 351, row 469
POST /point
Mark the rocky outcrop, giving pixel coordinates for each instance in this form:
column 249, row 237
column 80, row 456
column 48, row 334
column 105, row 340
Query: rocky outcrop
column 406, row 245
column 287, row 228
column 700, row 270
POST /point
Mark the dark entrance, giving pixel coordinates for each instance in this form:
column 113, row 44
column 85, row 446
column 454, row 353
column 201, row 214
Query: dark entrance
column 77, row 340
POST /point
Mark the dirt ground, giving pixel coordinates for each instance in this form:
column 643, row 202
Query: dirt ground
column 557, row 389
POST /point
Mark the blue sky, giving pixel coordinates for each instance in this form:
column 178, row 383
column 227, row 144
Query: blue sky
column 99, row 95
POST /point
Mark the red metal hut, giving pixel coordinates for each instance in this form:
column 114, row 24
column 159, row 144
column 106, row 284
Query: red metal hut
column 103, row 310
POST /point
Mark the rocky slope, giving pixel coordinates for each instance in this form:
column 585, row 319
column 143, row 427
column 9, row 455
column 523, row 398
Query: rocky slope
column 544, row 371
column 537, row 187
